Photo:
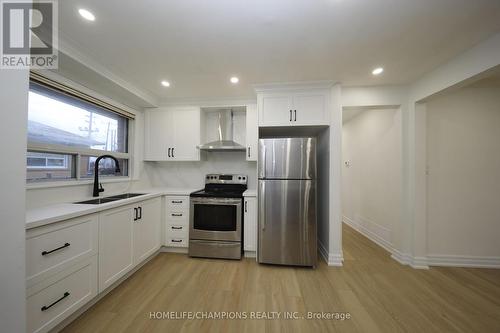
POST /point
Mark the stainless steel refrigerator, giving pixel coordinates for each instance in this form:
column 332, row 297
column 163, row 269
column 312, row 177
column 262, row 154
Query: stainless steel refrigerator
column 287, row 201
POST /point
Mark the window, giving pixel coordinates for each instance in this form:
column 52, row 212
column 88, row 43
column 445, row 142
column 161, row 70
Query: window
column 66, row 134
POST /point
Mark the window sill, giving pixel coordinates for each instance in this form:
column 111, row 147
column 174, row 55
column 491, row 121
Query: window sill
column 65, row 183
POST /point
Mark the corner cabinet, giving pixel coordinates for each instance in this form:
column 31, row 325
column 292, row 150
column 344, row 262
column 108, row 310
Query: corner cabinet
column 127, row 235
column 294, row 107
column 172, row 134
column 252, row 132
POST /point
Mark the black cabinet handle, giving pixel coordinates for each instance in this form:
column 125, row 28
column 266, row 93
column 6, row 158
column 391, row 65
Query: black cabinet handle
column 246, row 206
column 177, row 240
column 290, row 115
column 295, row 115
column 169, row 152
column 46, row 307
column 140, row 213
column 173, row 152
column 176, row 201
column 248, row 151
column 54, row 250
column 135, row 214
column 176, row 214
column 176, row 228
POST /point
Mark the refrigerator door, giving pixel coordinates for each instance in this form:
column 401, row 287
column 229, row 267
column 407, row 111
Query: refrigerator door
column 287, row 222
column 287, row 158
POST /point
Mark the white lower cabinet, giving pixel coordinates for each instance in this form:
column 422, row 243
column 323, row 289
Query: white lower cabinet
column 68, row 263
column 147, row 230
column 127, row 235
column 115, row 244
column 250, row 224
column 177, row 221
column 54, row 299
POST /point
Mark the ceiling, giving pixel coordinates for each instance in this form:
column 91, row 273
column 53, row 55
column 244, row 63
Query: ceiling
column 197, row 45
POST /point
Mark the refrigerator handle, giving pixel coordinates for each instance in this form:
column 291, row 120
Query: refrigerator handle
column 262, row 205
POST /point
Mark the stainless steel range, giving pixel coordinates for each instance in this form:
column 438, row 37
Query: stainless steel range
column 216, row 217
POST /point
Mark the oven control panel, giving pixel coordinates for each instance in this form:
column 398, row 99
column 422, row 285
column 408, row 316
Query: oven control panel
column 226, row 179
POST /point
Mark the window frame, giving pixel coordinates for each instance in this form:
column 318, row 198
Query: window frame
column 77, row 152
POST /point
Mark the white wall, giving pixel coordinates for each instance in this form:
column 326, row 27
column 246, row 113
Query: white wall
column 371, row 184
column 14, row 112
column 463, row 157
column 192, row 174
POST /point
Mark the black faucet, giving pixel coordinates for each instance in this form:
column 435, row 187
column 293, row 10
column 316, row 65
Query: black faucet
column 97, row 186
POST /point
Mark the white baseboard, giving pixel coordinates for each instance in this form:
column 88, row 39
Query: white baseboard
column 463, row 261
column 373, row 236
column 330, row 258
column 174, row 249
column 377, row 238
column 250, row 254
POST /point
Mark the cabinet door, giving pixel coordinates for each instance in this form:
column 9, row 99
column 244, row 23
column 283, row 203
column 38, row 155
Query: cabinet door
column 275, row 109
column 252, row 135
column 115, row 244
column 158, row 134
column 186, row 122
column 250, row 224
column 147, row 229
column 310, row 108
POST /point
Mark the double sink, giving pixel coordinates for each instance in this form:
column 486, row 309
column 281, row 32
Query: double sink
column 112, row 198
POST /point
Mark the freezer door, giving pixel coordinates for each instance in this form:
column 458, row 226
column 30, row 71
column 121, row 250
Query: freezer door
column 287, row 158
column 287, row 222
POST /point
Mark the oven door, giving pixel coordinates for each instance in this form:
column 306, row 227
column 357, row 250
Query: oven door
column 215, row 219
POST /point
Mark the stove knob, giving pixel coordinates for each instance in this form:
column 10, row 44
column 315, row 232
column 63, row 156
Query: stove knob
column 239, row 178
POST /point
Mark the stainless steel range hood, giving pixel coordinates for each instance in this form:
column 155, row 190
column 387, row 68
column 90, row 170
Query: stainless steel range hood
column 225, row 127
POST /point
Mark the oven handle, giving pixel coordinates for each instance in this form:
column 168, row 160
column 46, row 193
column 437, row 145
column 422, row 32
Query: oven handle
column 216, row 201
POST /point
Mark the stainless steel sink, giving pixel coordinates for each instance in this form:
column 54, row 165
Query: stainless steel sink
column 126, row 195
column 99, row 201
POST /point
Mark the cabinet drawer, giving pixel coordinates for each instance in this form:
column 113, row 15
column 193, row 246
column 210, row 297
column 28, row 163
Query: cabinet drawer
column 177, row 241
column 177, row 203
column 177, row 229
column 53, row 248
column 56, row 298
column 178, row 218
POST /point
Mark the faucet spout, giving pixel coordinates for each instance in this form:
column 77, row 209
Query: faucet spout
column 98, row 189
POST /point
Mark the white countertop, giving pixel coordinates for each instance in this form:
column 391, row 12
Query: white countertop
column 250, row 193
column 58, row 212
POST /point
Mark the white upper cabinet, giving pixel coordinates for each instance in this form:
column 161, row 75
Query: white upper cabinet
column 252, row 132
column 294, row 107
column 172, row 134
column 275, row 109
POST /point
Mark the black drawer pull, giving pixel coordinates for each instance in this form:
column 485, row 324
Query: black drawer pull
column 177, row 240
column 176, row 201
column 54, row 250
column 176, row 228
column 176, row 214
column 46, row 307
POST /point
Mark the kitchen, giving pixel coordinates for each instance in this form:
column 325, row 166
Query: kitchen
column 200, row 187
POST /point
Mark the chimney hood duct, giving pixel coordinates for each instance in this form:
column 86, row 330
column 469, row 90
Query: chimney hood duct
column 225, row 129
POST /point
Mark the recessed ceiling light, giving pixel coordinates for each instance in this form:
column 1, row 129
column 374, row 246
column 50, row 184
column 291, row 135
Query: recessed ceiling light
column 377, row 71
column 165, row 83
column 86, row 14
column 234, row 80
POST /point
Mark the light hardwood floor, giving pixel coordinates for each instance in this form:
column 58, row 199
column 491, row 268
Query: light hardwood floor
column 379, row 294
